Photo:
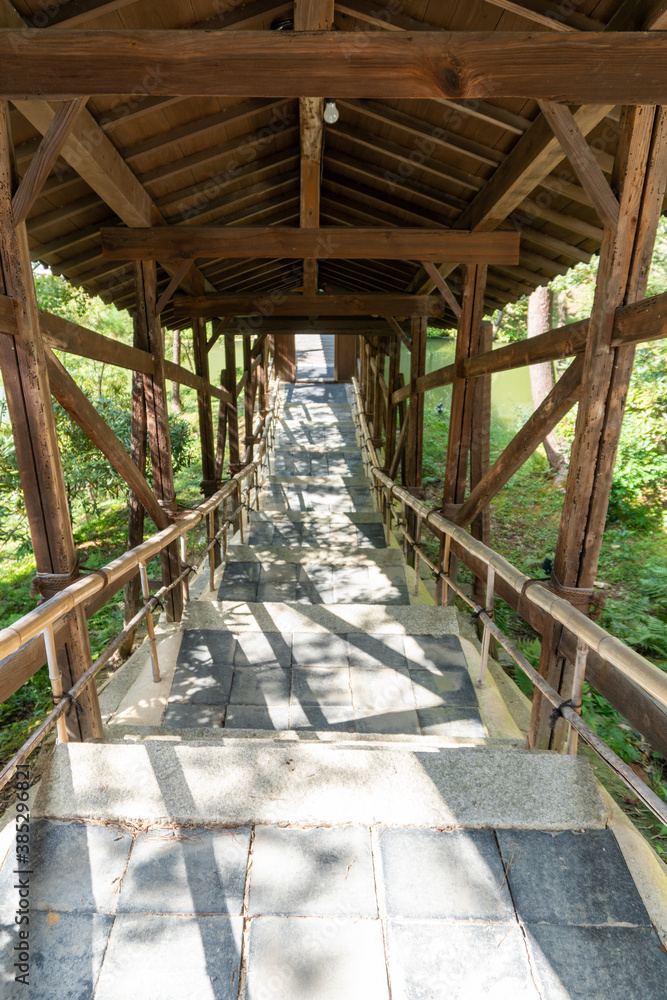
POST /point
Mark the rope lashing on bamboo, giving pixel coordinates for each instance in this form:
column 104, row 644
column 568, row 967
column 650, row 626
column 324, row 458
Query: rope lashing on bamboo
column 580, row 598
column 47, row 585
column 558, row 711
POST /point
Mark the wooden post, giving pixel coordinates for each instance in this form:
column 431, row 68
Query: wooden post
column 392, row 385
column 210, row 482
column 480, row 448
column 26, row 386
column 640, row 176
column 462, row 407
column 135, row 530
column 414, row 446
column 232, row 408
column 149, row 335
column 248, row 396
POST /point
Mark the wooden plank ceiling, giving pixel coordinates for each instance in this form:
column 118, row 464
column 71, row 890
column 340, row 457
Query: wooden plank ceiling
column 142, row 161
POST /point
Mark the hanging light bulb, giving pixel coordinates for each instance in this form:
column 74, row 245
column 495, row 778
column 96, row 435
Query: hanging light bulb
column 331, row 113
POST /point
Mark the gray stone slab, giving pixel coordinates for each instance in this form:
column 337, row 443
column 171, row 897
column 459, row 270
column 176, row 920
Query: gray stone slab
column 443, row 688
column 372, row 720
column 263, row 648
column 74, row 867
column 352, row 585
column 189, row 716
column 319, row 649
column 66, row 952
column 249, row 782
column 612, row 963
column 316, row 584
column 323, row 872
column 239, row 582
column 382, row 688
column 172, row 958
column 204, row 684
column 200, row 647
column 440, row 961
column 311, row 958
column 571, row 878
column 388, row 585
column 322, row 718
column 186, row 871
column 376, row 650
column 431, row 653
column 460, row 722
column 261, row 685
column 265, row 717
column 454, row 875
column 321, row 686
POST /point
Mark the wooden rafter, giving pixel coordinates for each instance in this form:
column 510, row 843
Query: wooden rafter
column 178, row 242
column 548, row 14
column 75, row 12
column 576, row 68
column 442, row 287
column 582, row 161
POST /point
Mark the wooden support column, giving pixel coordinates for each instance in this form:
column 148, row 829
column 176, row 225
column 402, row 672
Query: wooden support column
column 26, row 386
column 210, row 481
column 135, row 529
column 480, row 448
column 232, row 408
column 462, row 406
column 639, row 178
column 392, row 385
column 248, row 396
column 149, row 336
column 414, row 446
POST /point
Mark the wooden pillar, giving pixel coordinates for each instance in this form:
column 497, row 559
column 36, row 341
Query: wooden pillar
column 26, row 386
column 149, row 336
column 135, row 530
column 232, row 408
column 414, row 447
column 284, row 356
column 210, row 480
column 248, row 396
column 480, row 447
column 639, row 178
column 392, row 386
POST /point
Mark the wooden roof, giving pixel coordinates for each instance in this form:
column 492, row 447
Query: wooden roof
column 138, row 160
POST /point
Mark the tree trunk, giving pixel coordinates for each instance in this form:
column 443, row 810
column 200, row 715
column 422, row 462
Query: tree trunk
column 542, row 379
column 176, row 405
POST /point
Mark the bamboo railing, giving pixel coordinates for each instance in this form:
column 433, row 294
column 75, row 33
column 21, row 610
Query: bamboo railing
column 588, row 634
column 238, row 489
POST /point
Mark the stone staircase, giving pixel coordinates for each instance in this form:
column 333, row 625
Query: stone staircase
column 318, row 801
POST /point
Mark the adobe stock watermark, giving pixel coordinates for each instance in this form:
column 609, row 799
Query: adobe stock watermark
column 22, row 870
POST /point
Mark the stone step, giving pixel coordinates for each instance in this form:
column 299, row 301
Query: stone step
column 330, row 482
column 303, row 556
column 341, row 518
column 328, row 581
column 363, row 536
column 245, row 782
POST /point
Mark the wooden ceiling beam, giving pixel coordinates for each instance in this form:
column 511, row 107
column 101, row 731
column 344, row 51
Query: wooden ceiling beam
column 581, row 67
column 547, row 14
column 640, row 15
column 178, row 242
column 74, row 12
column 279, row 304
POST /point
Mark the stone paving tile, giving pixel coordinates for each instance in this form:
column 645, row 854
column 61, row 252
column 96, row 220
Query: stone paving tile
column 374, row 649
column 612, row 963
column 352, row 585
column 319, row 872
column 239, row 582
column 315, row 584
column 78, row 867
column 203, row 646
column 455, row 876
column 440, row 961
column 311, row 958
column 429, row 653
column 263, row 648
column 261, row 685
column 171, row 958
column 193, row 716
column 386, row 688
column 205, row 684
column 189, row 871
column 269, row 717
column 277, row 582
column 321, row 686
column 372, row 720
column 319, row 649
column 455, row 722
column 388, row 585
column 66, row 952
column 322, row 718
column 570, row 878
column 446, row 688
